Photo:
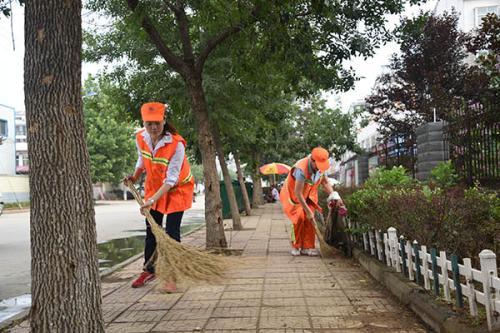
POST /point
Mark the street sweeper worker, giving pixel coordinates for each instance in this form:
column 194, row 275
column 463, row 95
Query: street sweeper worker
column 299, row 197
column 169, row 183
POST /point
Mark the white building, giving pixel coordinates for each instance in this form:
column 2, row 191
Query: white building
column 7, row 140
column 470, row 12
column 22, row 162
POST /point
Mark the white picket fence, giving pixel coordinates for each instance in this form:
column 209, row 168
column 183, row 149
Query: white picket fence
column 447, row 278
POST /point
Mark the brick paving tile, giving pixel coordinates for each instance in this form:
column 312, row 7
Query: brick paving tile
column 192, row 325
column 360, row 293
column 110, row 287
column 185, row 314
column 282, row 286
column 280, row 280
column 232, row 323
column 111, row 311
column 336, row 322
column 131, row 316
column 279, row 275
column 156, row 302
column 205, row 289
column 284, row 322
column 227, row 303
column 269, row 311
column 321, row 285
column 201, row 296
column 283, row 302
column 323, row 293
column 244, row 287
column 191, row 304
column 230, row 331
column 241, row 294
column 324, row 311
column 289, row 330
column 244, row 281
column 236, row 312
column 328, row 301
column 126, row 294
column 129, row 327
column 282, row 293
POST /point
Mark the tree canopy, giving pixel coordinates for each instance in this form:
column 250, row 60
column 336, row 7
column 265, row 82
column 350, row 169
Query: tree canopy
column 110, row 141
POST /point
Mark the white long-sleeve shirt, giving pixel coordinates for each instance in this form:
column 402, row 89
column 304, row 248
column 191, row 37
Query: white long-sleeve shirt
column 175, row 163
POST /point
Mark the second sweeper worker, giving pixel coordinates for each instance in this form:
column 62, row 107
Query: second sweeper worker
column 299, row 197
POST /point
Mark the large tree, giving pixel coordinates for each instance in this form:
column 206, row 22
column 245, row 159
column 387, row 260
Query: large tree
column 310, row 37
column 65, row 275
column 425, row 80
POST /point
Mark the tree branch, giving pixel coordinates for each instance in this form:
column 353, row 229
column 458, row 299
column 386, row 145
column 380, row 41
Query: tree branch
column 213, row 43
column 182, row 20
column 225, row 34
column 170, row 57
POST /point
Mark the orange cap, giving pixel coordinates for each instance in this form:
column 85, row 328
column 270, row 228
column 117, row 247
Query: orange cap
column 321, row 157
column 153, row 111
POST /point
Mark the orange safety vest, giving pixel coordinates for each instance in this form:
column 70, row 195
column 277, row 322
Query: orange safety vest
column 291, row 205
column 180, row 197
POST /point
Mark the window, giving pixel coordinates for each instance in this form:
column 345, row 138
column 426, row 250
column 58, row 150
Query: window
column 20, row 129
column 3, row 128
column 481, row 12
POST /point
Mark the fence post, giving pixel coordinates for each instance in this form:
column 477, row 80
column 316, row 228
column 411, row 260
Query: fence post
column 459, row 300
column 489, row 271
column 393, row 243
column 387, row 250
column 403, row 254
column 417, row 261
column 469, row 280
column 371, row 236
column 380, row 248
column 444, row 272
column 435, row 273
column 365, row 241
column 425, row 267
column 409, row 255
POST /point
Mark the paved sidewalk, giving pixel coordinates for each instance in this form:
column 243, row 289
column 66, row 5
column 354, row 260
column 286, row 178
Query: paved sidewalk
column 267, row 291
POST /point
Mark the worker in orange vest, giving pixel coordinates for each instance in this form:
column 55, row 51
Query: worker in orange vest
column 169, row 183
column 299, row 197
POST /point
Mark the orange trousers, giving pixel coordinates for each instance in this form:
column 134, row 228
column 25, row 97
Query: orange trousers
column 303, row 235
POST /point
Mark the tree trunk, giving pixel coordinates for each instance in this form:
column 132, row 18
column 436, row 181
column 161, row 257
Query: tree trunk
column 258, row 198
column 244, row 191
column 257, row 190
column 215, row 237
column 231, row 196
column 65, row 288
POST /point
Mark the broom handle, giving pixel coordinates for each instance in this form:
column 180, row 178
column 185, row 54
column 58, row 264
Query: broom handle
column 139, row 200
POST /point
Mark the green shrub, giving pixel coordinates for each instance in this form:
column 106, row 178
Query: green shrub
column 397, row 176
column 456, row 220
column 444, row 175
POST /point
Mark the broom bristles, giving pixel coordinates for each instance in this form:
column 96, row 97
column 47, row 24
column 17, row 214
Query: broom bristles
column 175, row 261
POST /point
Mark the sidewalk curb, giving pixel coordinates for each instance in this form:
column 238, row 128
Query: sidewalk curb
column 438, row 317
column 21, row 316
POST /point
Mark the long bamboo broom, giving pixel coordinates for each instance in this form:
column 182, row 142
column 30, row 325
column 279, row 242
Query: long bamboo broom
column 326, row 249
column 175, row 261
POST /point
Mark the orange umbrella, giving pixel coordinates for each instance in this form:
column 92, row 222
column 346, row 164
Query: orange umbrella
column 274, row 169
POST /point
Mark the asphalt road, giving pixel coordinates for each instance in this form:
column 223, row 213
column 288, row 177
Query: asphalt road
column 114, row 219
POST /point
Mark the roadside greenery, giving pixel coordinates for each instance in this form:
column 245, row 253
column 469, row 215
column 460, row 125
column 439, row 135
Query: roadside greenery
column 438, row 214
column 110, row 141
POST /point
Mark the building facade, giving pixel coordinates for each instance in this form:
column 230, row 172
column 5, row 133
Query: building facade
column 22, row 161
column 470, row 12
column 7, row 140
